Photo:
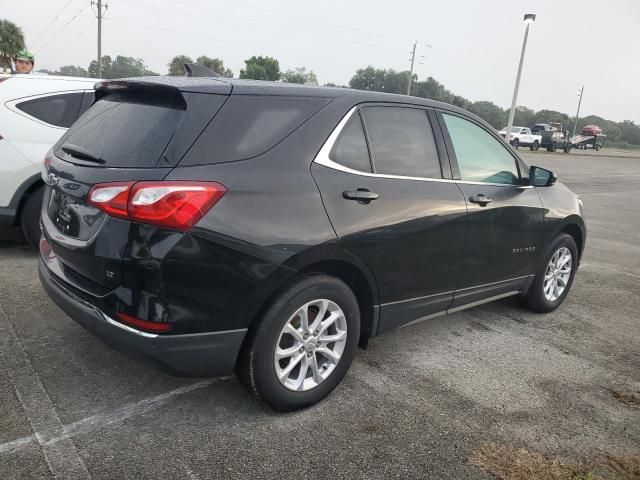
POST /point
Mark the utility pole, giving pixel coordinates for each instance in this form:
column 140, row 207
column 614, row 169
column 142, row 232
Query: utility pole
column 98, row 3
column 99, row 38
column 413, row 58
column 529, row 18
column 575, row 124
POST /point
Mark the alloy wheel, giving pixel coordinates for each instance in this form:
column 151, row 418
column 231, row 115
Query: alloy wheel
column 557, row 274
column 310, row 345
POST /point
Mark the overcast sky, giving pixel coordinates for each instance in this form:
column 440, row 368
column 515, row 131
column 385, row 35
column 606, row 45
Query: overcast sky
column 475, row 44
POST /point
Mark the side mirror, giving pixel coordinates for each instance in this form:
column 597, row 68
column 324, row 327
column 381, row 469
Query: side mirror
column 541, row 177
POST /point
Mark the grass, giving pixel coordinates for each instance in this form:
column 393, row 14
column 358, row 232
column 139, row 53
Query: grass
column 505, row 462
column 509, row 463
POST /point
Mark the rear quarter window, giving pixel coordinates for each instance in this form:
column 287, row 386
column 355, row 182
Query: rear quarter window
column 249, row 125
column 60, row 110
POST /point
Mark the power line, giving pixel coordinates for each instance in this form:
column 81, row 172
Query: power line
column 63, row 28
column 84, row 29
column 252, row 29
column 221, row 40
column 51, row 23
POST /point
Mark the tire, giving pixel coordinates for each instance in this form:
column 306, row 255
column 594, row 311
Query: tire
column 552, row 148
column 535, row 146
column 30, row 217
column 567, row 149
column 535, row 299
column 257, row 365
column 516, row 143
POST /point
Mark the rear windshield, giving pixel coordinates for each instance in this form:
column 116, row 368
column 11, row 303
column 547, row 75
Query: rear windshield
column 126, row 129
column 249, row 125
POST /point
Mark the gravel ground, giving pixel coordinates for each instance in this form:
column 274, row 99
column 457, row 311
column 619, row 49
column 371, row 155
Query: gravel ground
column 416, row 404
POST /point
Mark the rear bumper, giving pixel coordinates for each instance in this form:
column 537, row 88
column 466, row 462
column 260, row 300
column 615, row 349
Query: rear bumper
column 194, row 354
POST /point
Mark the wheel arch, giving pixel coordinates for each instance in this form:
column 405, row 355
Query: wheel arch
column 573, row 229
column 357, row 278
column 23, row 192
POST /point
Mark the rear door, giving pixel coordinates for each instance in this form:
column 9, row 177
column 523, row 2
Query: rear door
column 391, row 205
column 504, row 224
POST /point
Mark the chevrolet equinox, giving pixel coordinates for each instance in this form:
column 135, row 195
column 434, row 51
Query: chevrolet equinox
column 218, row 226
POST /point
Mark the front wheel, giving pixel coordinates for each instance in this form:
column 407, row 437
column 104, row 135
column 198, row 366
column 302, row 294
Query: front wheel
column 554, row 276
column 303, row 345
column 535, row 146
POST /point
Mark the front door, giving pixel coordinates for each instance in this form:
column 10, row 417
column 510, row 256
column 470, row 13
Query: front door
column 393, row 210
column 505, row 215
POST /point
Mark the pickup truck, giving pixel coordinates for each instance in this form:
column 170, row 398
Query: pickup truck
column 523, row 136
column 553, row 136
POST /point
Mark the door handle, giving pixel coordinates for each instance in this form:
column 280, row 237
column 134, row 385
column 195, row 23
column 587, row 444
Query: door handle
column 361, row 195
column 480, row 199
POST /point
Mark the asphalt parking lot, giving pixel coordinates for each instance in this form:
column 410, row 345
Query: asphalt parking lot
column 418, row 403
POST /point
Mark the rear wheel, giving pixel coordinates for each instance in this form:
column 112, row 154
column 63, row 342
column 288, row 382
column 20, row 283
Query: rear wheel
column 554, row 277
column 303, row 345
column 30, row 216
column 516, row 143
column 535, row 146
column 552, row 147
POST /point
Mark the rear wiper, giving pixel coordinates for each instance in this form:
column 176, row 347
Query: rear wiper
column 81, row 153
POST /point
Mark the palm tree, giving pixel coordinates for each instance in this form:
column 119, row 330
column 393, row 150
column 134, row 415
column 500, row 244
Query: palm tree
column 11, row 41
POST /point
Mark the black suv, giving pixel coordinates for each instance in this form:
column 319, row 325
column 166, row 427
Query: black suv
column 221, row 226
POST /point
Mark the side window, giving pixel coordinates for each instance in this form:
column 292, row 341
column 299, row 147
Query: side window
column 249, row 125
column 481, row 158
column 350, row 148
column 402, row 142
column 60, row 110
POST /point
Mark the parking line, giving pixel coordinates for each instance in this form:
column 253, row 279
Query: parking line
column 101, row 420
column 62, row 457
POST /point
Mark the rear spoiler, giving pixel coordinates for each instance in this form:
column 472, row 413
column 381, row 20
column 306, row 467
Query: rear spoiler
column 197, row 70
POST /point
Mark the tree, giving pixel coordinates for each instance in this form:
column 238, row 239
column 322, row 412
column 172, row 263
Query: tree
column 121, row 67
column 548, row 116
column 72, row 71
column 524, row 117
column 215, row 64
column 432, row 89
column 489, row 112
column 261, row 68
column 11, row 41
column 300, row 75
column 176, row 66
column 380, row 80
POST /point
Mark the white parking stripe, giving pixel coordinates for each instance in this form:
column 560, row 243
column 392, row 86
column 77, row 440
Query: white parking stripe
column 101, row 420
column 62, row 457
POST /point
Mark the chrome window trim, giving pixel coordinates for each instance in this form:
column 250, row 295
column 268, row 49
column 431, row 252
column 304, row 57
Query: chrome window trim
column 322, row 158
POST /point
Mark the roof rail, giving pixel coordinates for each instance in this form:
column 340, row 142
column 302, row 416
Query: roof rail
column 197, row 70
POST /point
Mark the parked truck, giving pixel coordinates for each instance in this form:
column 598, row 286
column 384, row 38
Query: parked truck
column 553, row 136
column 522, row 136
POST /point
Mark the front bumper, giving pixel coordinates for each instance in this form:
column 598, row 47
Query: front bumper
column 196, row 354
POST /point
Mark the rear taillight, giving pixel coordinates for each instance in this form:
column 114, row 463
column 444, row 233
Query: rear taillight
column 171, row 204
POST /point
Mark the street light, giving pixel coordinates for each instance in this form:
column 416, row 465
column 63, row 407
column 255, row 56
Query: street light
column 529, row 18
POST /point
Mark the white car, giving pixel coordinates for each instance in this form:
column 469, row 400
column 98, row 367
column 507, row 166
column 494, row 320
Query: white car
column 35, row 110
column 523, row 136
